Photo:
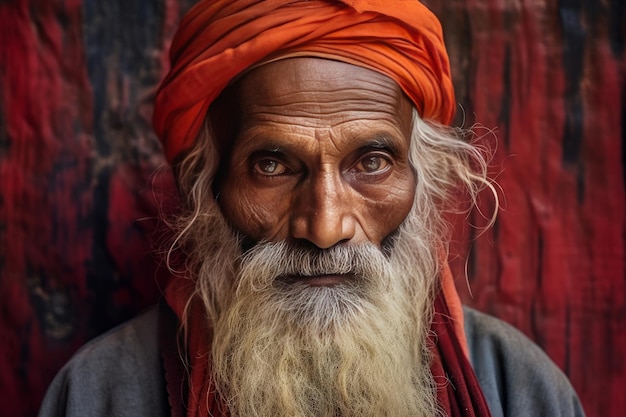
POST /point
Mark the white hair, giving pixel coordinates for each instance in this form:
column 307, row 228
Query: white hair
column 239, row 298
column 449, row 163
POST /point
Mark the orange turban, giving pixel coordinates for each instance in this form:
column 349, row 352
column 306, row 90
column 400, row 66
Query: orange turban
column 219, row 39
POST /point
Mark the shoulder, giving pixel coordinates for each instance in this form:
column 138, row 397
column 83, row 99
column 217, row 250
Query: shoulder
column 118, row 373
column 517, row 377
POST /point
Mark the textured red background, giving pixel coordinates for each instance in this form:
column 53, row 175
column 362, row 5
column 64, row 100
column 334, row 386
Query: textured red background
column 77, row 79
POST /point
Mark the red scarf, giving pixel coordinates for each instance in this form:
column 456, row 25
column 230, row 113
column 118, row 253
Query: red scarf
column 458, row 391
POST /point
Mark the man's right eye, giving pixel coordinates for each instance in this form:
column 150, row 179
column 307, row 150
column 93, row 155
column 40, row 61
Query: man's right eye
column 269, row 167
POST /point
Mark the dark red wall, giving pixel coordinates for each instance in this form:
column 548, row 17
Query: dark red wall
column 77, row 78
column 549, row 77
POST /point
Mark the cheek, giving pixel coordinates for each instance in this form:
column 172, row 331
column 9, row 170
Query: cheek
column 251, row 212
column 388, row 210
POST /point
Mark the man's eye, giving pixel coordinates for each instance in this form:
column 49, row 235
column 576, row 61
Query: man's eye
column 269, row 167
column 372, row 163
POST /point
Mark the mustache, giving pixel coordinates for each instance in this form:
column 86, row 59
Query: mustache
column 267, row 262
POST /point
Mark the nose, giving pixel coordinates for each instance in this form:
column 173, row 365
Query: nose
column 323, row 212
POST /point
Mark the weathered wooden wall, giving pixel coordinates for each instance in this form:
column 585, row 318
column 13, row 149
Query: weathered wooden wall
column 76, row 151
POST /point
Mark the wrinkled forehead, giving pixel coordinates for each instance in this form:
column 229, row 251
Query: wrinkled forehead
column 315, row 91
column 219, row 39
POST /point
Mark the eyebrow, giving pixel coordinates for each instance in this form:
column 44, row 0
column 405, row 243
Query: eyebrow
column 383, row 141
column 380, row 140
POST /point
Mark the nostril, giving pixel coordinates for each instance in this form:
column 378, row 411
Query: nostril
column 305, row 245
column 309, row 245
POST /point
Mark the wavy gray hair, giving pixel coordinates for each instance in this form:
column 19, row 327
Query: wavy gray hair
column 450, row 166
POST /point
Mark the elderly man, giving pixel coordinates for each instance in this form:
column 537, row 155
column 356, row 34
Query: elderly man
column 309, row 144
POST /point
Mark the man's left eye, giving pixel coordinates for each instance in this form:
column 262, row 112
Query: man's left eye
column 372, row 163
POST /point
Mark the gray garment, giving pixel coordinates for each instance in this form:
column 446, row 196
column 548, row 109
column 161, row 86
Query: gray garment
column 120, row 374
column 516, row 376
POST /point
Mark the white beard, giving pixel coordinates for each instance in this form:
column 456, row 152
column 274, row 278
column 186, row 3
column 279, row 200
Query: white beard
column 357, row 348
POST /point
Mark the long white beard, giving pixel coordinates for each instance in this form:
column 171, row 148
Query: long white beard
column 354, row 349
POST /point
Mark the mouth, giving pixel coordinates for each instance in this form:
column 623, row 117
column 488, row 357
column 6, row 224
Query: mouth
column 323, row 280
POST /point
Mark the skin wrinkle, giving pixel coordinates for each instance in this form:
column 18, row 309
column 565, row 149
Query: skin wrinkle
column 321, row 83
column 377, row 317
column 324, row 87
column 320, row 132
column 307, row 109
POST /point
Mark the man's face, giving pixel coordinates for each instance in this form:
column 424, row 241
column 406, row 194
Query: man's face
column 320, row 156
column 318, row 176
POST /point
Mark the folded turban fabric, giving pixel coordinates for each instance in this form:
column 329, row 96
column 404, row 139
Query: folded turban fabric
column 220, row 39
